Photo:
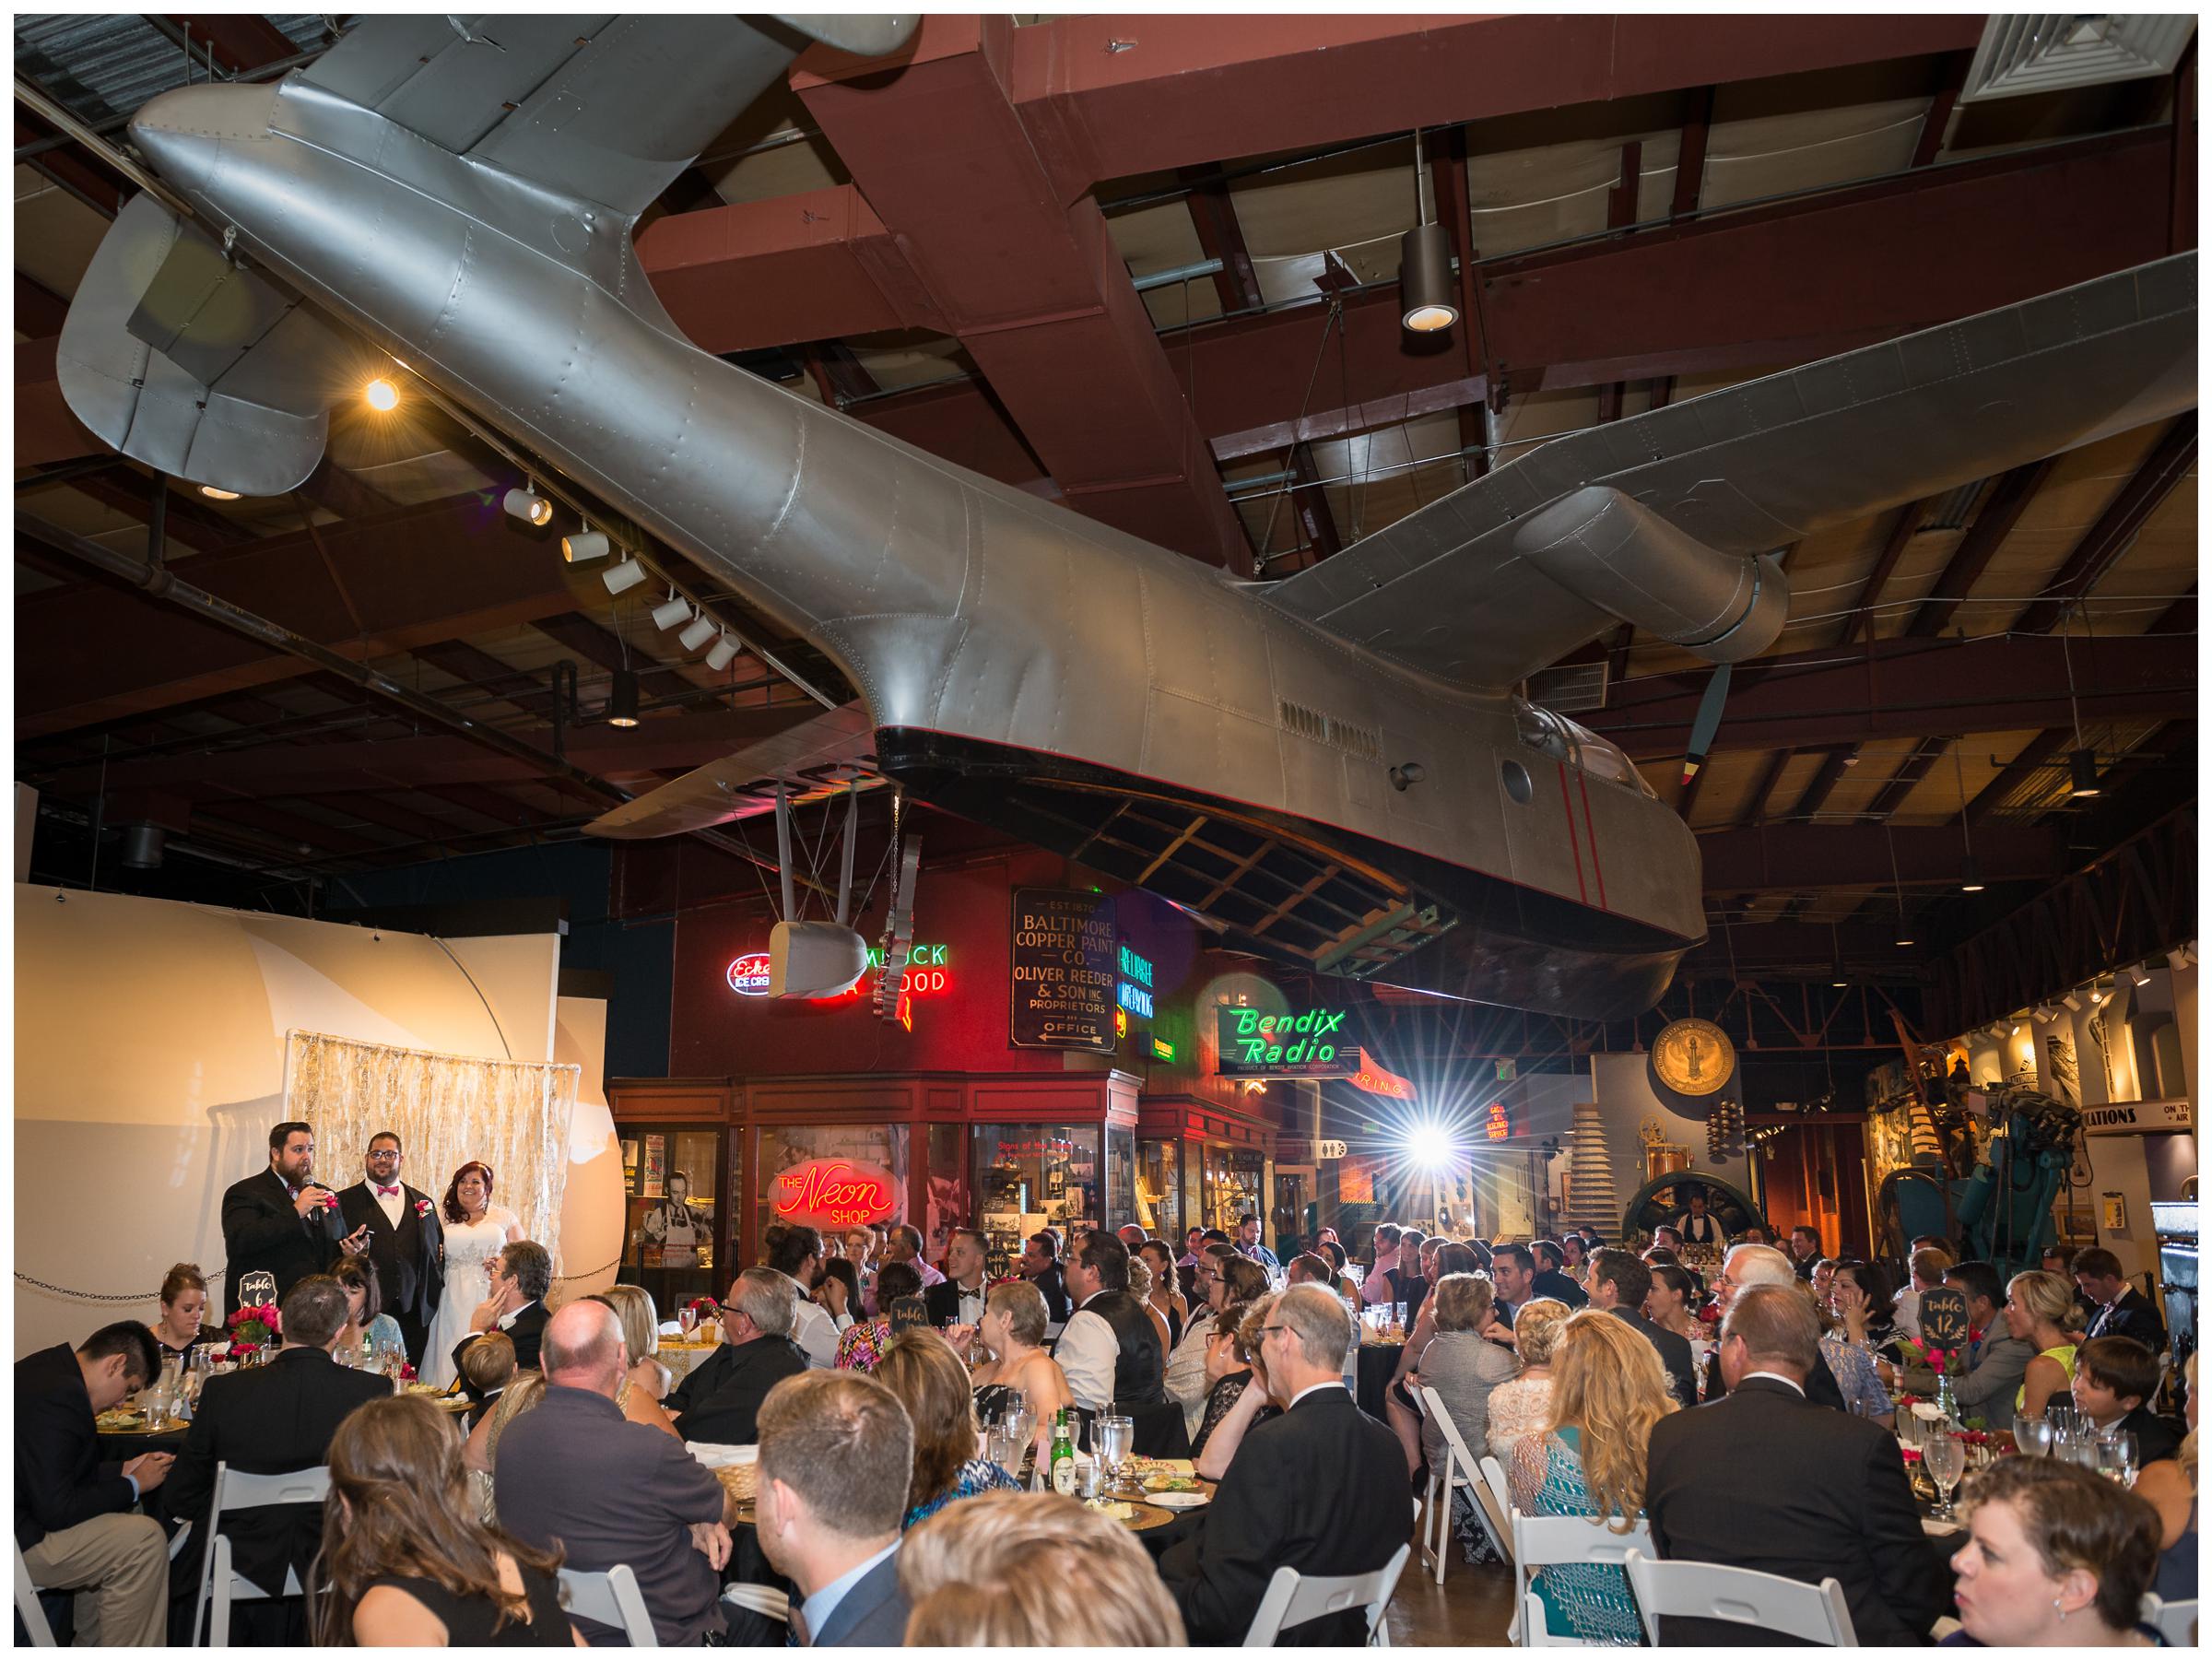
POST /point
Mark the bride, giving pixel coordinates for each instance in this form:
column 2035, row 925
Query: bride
column 475, row 1231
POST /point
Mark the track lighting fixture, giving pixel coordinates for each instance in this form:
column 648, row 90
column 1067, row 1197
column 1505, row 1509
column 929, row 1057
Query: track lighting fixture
column 2140, row 974
column 700, row 630
column 2072, row 1000
column 671, row 611
column 2046, row 1013
column 627, row 575
column 622, row 699
column 2082, row 768
column 530, row 508
column 581, row 545
column 719, row 655
column 2015, row 1028
column 2179, row 958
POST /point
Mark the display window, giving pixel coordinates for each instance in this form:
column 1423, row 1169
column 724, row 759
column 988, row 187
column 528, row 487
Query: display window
column 1235, row 1181
column 1159, row 1190
column 832, row 1176
column 1029, row 1177
column 669, row 1177
column 948, row 1191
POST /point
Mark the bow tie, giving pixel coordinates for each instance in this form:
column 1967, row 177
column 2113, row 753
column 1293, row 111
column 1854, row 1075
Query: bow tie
column 392, row 1192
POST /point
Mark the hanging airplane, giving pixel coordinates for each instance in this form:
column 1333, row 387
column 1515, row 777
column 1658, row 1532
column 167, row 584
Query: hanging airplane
column 1332, row 771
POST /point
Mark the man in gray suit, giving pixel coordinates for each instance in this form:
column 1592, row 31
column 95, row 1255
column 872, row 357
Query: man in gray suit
column 572, row 1471
column 836, row 1452
column 1997, row 1362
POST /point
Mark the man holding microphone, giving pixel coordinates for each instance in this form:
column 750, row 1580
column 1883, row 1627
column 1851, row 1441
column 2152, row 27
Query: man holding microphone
column 281, row 1221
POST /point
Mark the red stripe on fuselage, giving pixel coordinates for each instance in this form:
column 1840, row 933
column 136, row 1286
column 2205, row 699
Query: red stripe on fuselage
column 1589, row 824
column 1574, row 841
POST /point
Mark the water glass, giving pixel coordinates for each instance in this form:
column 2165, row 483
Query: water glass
column 1944, row 1457
column 1397, row 1321
column 2033, row 1436
column 687, row 1321
column 2118, row 1457
column 1117, row 1437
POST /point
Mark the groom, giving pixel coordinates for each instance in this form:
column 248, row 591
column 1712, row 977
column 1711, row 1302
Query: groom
column 404, row 1241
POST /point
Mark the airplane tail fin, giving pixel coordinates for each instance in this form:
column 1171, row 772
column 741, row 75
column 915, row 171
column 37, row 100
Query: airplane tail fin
column 185, row 359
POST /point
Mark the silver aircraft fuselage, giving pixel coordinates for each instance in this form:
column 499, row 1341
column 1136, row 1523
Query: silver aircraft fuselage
column 1017, row 660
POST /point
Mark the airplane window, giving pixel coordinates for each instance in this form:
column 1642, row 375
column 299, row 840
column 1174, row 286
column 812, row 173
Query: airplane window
column 1602, row 759
column 1541, row 730
column 1517, row 783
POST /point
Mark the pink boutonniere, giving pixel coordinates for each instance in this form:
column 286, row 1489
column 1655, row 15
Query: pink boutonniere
column 422, row 1208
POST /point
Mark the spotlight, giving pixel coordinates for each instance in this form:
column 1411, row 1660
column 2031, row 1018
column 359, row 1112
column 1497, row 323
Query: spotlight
column 2082, row 765
column 1905, row 936
column 2096, row 995
column 381, row 395
column 1429, row 1145
column 586, row 544
column 2178, row 958
column 721, row 653
column 627, row 575
column 671, row 611
column 1425, row 280
column 2140, row 974
column 1970, row 878
column 702, row 628
column 1836, row 977
column 2072, row 1000
column 2015, row 1028
column 533, row 509
column 216, row 493
column 622, row 701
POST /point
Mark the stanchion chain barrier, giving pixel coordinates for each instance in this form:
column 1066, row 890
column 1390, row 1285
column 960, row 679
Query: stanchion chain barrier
column 66, row 1291
column 589, row 1273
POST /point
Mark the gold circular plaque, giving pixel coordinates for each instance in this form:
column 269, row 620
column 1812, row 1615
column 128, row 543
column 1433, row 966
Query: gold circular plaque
column 1693, row 1057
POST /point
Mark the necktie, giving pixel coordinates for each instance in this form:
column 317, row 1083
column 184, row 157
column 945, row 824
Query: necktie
column 796, row 1635
column 392, row 1192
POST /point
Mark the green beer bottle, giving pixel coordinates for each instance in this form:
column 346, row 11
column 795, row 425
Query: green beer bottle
column 1063, row 1455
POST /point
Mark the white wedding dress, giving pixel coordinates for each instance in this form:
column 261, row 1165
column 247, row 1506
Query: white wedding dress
column 469, row 1249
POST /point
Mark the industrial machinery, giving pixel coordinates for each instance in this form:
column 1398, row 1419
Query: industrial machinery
column 1999, row 1210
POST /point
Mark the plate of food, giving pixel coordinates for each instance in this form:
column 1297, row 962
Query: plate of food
column 1171, row 1482
column 1121, row 1511
column 120, row 1418
column 1180, row 1500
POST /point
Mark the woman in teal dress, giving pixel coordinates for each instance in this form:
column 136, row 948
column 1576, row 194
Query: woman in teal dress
column 1607, row 1391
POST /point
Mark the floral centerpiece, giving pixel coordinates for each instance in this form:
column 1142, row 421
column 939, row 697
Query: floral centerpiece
column 250, row 1326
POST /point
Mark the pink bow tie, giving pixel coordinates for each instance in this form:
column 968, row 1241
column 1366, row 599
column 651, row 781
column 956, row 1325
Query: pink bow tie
column 392, row 1192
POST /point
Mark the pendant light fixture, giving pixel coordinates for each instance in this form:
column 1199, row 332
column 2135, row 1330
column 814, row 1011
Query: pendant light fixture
column 1836, row 977
column 1904, row 929
column 1427, row 305
column 2081, row 766
column 622, row 701
column 1970, row 877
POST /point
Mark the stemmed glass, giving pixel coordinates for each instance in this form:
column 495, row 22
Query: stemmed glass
column 1115, row 1434
column 2033, row 1436
column 687, row 1321
column 2117, row 1457
column 1944, row 1457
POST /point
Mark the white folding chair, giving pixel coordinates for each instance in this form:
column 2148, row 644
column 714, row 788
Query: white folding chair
column 611, row 1597
column 1461, row 1470
column 770, row 1601
column 220, row 1585
column 1714, row 1592
column 1293, row 1599
column 1542, row 1542
column 28, row 1610
column 2175, row 1622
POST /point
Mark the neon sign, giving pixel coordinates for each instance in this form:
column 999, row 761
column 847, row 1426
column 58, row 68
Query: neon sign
column 749, row 974
column 926, row 976
column 1379, row 1080
column 1315, row 1042
column 833, row 1192
column 1498, row 1126
column 1163, row 1050
column 1133, row 988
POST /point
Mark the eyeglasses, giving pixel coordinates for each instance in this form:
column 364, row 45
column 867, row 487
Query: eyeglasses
column 1265, row 1330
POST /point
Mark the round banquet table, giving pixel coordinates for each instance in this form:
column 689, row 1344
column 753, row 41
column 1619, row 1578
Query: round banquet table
column 1378, row 1363
column 128, row 1444
column 679, row 1356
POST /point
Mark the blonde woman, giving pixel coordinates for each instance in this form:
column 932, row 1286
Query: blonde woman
column 2037, row 1306
column 1032, row 1570
column 2170, row 1486
column 1521, row 1406
column 1607, row 1391
column 1020, row 1371
column 639, row 1397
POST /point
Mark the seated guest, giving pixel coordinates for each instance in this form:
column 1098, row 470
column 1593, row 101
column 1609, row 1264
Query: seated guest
column 1396, row 1283
column 1857, row 1372
column 480, row 1456
column 1619, row 1283
column 1165, row 1302
column 1414, row 1286
column 1550, row 1280
column 641, row 1338
column 2117, row 1309
column 1107, row 1350
column 1375, row 1285
column 1667, row 1237
column 902, row 1244
column 1310, row 1268
column 721, row 1400
column 1339, row 1266
column 1193, row 1239
column 1041, row 1267
column 1400, row 1410
column 522, row 1273
column 1804, row 1249
column 837, row 1457
column 1140, row 1288
column 1864, row 1307
column 1032, row 1571
column 2170, row 1485
column 263, row 1420
column 1248, row 1243
column 958, row 1300
column 636, row 1400
column 865, row 1340
column 404, row 1561
column 1926, row 1267
column 1755, row 1264
column 1997, row 1361
column 1216, row 1278
column 1671, row 1304
column 2036, row 1307
column 1020, row 1373
column 572, row 1473
column 368, row 1330
column 1577, row 1267
column 931, row 1382
column 2055, row 1558
column 1823, row 1280
column 1321, row 1489
column 1608, row 1391
column 486, row 1372
column 836, row 1292
column 796, row 1250
column 77, row 1521
column 1462, row 1366
column 1521, row 1406
column 1513, row 1273
column 2114, row 1380
column 183, row 1305
column 1239, row 1399
column 1763, row 1478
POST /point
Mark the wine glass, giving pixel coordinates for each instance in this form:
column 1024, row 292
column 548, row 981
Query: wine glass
column 2118, row 1456
column 687, row 1321
column 1944, row 1457
column 1908, row 1430
column 2033, row 1436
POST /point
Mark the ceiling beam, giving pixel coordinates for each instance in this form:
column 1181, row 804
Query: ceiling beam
column 1221, row 236
column 1789, row 858
column 2108, row 540
column 1028, row 280
column 242, row 40
column 1689, row 155
column 39, row 312
column 1755, row 805
column 1902, row 529
column 596, row 644
column 1815, row 795
column 2034, row 756
column 481, row 672
column 1907, row 688
column 2000, row 509
column 1946, row 98
column 1910, row 772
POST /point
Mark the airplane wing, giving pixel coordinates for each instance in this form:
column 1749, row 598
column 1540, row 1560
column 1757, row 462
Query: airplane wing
column 814, row 759
column 1619, row 522
column 604, row 107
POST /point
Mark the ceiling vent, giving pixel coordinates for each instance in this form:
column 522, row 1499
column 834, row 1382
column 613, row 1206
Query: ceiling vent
column 1570, row 687
column 2024, row 53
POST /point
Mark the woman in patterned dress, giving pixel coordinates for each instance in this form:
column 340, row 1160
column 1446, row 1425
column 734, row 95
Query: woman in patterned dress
column 1521, row 1406
column 865, row 1340
column 1608, row 1390
column 931, row 1382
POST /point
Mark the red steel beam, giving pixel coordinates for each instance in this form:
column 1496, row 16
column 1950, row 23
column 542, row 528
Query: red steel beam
column 1029, row 280
column 1908, row 689
column 2115, row 530
column 1789, row 858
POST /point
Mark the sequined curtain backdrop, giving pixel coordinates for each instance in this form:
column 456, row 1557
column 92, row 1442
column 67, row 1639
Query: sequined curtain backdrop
column 513, row 1115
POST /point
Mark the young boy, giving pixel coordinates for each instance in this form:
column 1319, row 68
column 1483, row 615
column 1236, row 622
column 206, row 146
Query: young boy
column 2113, row 1382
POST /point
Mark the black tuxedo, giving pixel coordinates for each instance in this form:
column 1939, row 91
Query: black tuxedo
column 1764, row 1479
column 2133, row 1316
column 721, row 1400
column 2156, row 1438
column 406, row 1257
column 261, row 1230
column 1323, row 1488
column 944, row 1300
column 263, row 1420
column 526, row 1331
column 1674, row 1355
column 1058, row 1307
column 60, row 1477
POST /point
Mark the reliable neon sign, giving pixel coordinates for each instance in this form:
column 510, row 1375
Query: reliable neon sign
column 1133, row 985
